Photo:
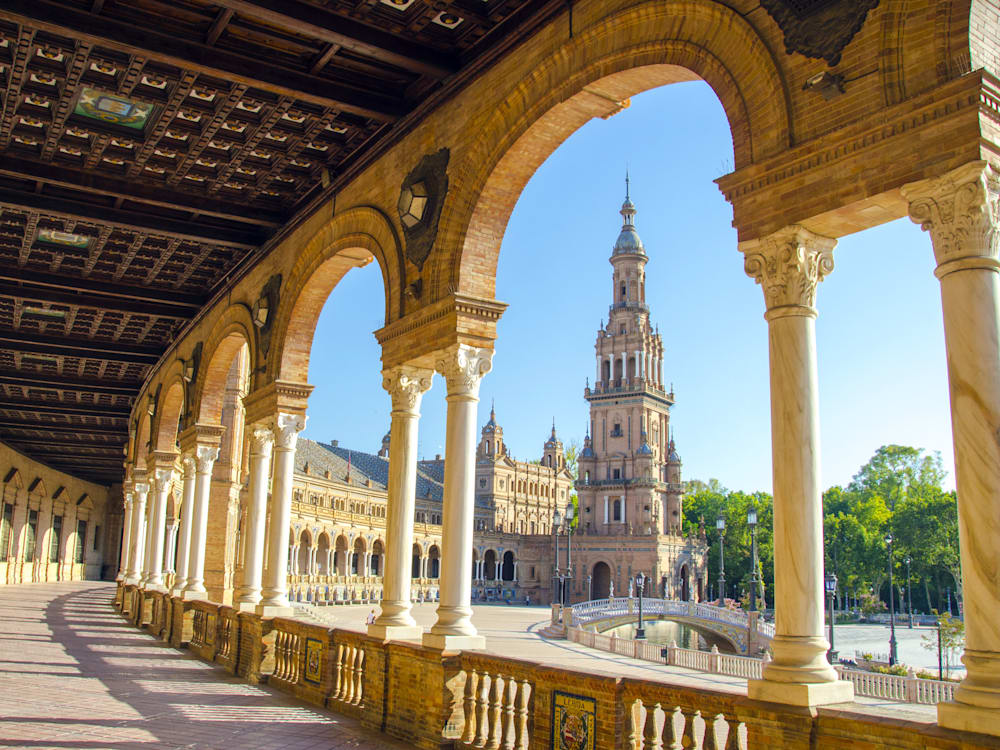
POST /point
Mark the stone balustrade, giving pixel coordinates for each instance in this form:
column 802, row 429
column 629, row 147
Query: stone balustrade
column 438, row 699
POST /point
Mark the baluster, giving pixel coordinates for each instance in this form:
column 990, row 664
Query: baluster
column 469, row 706
column 297, row 664
column 338, row 683
column 349, row 674
column 496, row 712
column 733, row 741
column 279, row 654
column 634, row 711
column 688, row 739
column 650, row 736
column 482, row 707
column 714, row 725
column 509, row 709
column 359, row 682
column 523, row 705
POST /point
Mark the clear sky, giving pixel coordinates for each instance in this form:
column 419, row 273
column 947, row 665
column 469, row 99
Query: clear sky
column 882, row 368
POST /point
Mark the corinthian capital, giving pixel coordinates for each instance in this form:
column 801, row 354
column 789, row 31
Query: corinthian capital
column 788, row 265
column 206, row 455
column 261, row 439
column 961, row 211
column 141, row 490
column 164, row 477
column 189, row 464
column 287, row 429
column 463, row 368
column 406, row 385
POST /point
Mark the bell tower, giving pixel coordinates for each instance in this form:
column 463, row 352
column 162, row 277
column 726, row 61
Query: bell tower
column 624, row 487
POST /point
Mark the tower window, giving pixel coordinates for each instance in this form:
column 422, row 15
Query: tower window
column 617, row 474
column 618, row 508
column 622, row 329
column 623, row 290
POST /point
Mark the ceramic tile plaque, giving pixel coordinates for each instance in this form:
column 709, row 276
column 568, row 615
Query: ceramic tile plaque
column 573, row 722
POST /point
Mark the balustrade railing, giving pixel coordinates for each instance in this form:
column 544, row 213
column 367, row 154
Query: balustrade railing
column 659, row 716
column 497, row 703
column 894, row 687
column 602, row 608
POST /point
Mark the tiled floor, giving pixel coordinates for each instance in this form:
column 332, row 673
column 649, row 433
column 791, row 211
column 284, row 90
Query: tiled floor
column 74, row 675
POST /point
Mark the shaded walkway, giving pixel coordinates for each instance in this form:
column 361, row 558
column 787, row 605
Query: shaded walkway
column 73, row 674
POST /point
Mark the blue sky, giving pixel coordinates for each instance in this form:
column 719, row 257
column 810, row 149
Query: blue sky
column 882, row 369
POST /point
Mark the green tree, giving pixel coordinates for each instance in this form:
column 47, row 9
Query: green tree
column 952, row 634
column 572, row 453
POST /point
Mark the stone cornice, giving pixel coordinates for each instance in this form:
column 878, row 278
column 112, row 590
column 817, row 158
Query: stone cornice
column 978, row 92
column 201, row 434
column 278, row 396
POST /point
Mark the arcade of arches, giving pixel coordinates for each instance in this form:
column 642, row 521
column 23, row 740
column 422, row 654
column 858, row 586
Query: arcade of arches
column 844, row 115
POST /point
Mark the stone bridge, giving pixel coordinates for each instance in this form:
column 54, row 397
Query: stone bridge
column 744, row 633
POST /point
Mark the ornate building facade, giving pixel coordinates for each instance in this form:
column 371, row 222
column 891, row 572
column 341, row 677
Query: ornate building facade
column 629, row 490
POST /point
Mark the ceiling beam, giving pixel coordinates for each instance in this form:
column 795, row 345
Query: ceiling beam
column 137, row 221
column 108, row 351
column 21, row 425
column 201, row 58
column 62, row 383
column 136, row 191
column 61, row 443
column 65, row 409
column 183, row 305
column 314, row 21
column 49, row 294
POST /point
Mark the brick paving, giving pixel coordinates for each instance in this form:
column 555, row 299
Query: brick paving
column 73, row 674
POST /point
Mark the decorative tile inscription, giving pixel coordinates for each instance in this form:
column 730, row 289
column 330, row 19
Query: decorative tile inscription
column 574, row 721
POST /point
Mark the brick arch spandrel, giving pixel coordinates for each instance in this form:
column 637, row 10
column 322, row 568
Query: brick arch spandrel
column 642, row 47
column 347, row 241
column 141, row 448
column 168, row 413
column 231, row 332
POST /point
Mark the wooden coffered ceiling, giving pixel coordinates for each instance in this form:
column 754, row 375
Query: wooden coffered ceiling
column 150, row 150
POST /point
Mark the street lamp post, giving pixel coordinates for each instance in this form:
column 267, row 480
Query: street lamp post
column 909, row 593
column 892, row 608
column 831, row 593
column 752, row 523
column 568, row 578
column 640, row 581
column 590, row 587
column 949, row 599
column 556, row 523
column 720, row 524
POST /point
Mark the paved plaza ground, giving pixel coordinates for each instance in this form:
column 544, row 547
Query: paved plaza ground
column 74, row 675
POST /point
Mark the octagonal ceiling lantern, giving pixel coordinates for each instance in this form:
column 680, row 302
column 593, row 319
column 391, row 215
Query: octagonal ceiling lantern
column 412, row 204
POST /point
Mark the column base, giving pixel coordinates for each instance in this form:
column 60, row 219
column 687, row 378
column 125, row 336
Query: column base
column 194, row 596
column 131, row 580
column 800, row 693
column 273, row 610
column 247, row 606
column 158, row 587
column 395, row 632
column 968, row 718
column 454, row 642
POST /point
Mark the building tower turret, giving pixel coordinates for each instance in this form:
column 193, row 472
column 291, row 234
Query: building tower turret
column 623, row 484
column 491, row 444
column 552, row 451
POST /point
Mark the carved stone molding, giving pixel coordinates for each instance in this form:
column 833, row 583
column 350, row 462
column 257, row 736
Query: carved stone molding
column 961, row 211
column 189, row 464
column 287, row 429
column 788, row 265
column 265, row 309
column 463, row 367
column 164, row 478
column 420, row 200
column 406, row 385
column 261, row 439
column 816, row 28
column 141, row 489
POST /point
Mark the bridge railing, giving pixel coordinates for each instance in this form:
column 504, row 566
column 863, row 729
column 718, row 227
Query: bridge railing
column 597, row 609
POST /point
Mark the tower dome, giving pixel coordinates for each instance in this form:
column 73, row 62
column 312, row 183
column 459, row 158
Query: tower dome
column 628, row 242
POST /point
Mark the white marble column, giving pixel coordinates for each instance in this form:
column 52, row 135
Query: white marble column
column 961, row 211
column 261, row 443
column 463, row 368
column 195, row 587
column 138, row 537
column 515, row 571
column 127, row 521
column 169, row 560
column 274, row 598
column 147, row 537
column 157, row 529
column 406, row 386
column 789, row 265
column 187, row 511
column 598, row 378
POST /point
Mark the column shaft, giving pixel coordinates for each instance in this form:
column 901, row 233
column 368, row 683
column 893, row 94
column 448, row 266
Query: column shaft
column 157, row 530
column 126, row 536
column 195, row 587
column 463, row 368
column 261, row 444
column 187, row 511
column 141, row 489
column 274, row 599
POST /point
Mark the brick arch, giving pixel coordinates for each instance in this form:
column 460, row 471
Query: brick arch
column 647, row 45
column 349, row 240
column 141, row 446
column 233, row 330
column 169, row 410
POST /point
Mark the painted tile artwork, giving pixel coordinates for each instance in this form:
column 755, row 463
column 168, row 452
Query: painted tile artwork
column 116, row 110
column 573, row 722
column 314, row 661
column 68, row 239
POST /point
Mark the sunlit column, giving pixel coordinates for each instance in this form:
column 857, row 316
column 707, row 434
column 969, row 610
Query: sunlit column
column 274, row 598
column 205, row 456
column 261, row 444
column 127, row 522
column 157, row 529
column 187, row 511
column 140, row 490
column 169, row 559
column 147, row 537
column 961, row 211
column 463, row 368
column 598, row 378
column 406, row 386
column 788, row 265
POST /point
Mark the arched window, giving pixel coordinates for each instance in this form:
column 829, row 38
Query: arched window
column 617, row 511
